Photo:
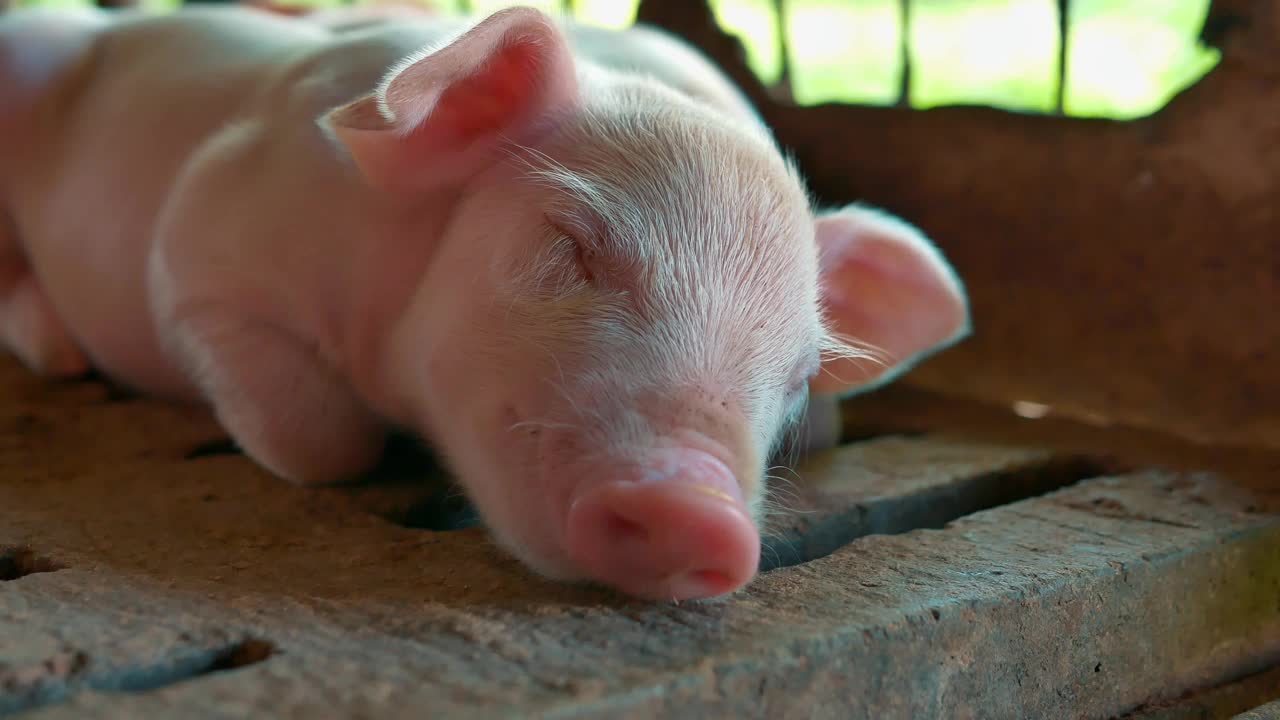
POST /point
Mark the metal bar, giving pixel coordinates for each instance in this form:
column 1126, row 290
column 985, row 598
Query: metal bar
column 784, row 46
column 1224, row 17
column 904, row 86
column 1064, row 38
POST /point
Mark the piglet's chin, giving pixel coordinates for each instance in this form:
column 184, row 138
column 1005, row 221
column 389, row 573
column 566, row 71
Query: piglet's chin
column 673, row 526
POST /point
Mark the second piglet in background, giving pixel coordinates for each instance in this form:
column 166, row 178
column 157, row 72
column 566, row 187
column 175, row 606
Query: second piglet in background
column 573, row 260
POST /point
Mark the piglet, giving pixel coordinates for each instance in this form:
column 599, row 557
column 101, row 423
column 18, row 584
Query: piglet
column 573, row 260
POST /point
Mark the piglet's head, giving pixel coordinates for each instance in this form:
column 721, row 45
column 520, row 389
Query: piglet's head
column 629, row 307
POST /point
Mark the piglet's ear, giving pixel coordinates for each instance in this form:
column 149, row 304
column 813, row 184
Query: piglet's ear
column 439, row 116
column 884, row 285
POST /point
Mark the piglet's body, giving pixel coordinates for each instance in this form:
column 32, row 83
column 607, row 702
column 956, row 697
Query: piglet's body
column 571, row 259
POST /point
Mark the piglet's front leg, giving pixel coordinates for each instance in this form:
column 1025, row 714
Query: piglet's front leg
column 282, row 405
column 29, row 326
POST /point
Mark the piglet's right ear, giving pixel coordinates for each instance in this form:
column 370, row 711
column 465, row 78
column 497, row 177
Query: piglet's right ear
column 440, row 115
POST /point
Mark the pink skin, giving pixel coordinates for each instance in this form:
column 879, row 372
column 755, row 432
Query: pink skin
column 635, row 528
column 601, row 296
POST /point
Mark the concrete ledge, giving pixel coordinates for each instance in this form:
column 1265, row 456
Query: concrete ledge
column 139, row 583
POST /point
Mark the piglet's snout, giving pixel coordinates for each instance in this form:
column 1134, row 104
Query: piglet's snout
column 674, row 528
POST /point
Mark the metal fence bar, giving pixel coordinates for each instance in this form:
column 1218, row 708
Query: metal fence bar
column 783, row 86
column 904, row 48
column 1064, row 36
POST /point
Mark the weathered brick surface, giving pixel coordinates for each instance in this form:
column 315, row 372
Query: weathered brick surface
column 1029, row 609
column 205, row 588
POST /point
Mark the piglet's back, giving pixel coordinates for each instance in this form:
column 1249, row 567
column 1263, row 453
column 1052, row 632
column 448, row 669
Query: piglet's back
column 96, row 141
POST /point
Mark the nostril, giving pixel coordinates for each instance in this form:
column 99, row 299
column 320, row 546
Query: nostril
column 711, row 577
column 622, row 530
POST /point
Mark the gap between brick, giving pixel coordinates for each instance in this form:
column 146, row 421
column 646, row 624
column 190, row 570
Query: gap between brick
column 930, row 508
column 58, row 679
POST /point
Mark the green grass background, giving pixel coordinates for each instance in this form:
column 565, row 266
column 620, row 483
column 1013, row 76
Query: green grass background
column 1125, row 58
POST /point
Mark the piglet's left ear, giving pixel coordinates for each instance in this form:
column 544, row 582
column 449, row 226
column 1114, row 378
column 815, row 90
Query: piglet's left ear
column 884, row 285
column 439, row 117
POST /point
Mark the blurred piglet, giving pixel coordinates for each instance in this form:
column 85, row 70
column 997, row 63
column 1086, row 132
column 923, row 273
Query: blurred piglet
column 574, row 260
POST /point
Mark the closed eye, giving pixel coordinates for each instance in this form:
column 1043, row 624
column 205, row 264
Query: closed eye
column 797, row 390
column 795, row 402
column 804, row 373
column 797, row 386
column 585, row 257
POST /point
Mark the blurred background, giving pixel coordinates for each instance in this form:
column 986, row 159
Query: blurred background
column 1123, row 58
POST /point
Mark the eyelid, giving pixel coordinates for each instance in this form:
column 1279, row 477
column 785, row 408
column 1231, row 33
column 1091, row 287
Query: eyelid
column 800, row 381
column 582, row 252
column 581, row 230
column 797, row 397
column 809, row 370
